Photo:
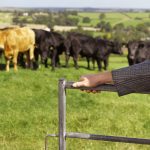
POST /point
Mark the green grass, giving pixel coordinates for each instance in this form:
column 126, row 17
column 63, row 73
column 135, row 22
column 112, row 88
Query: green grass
column 29, row 110
column 128, row 19
column 6, row 17
column 115, row 17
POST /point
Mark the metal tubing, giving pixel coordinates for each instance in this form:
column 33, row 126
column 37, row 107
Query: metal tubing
column 104, row 87
column 62, row 115
column 108, row 138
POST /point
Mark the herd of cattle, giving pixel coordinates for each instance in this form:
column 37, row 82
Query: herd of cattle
column 24, row 46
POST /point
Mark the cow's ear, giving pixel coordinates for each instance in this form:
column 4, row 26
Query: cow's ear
column 141, row 45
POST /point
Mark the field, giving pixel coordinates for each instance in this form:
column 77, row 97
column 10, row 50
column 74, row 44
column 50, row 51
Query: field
column 29, row 102
column 7, row 19
column 29, row 110
column 127, row 19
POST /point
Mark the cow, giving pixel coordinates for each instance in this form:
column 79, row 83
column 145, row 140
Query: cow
column 18, row 40
column 43, row 41
column 48, row 45
column 103, row 49
column 92, row 48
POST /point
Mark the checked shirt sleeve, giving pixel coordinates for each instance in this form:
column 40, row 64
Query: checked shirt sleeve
column 133, row 79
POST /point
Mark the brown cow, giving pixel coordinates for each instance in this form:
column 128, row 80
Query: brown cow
column 18, row 40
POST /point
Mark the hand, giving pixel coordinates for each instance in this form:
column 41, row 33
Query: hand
column 86, row 81
column 94, row 80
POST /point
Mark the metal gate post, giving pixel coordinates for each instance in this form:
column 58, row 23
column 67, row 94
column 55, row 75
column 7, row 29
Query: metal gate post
column 62, row 86
column 62, row 115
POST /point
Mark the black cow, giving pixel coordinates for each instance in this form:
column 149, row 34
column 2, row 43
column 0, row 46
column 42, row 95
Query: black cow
column 105, row 48
column 44, row 40
column 92, row 48
column 48, row 45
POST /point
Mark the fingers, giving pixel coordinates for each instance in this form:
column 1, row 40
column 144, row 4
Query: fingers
column 91, row 91
column 82, row 82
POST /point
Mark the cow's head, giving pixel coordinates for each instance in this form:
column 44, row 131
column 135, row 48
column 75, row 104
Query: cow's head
column 142, row 53
column 132, row 48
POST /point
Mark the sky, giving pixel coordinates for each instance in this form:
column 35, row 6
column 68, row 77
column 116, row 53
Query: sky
column 77, row 3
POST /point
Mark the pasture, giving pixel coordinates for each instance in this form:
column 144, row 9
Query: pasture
column 127, row 18
column 29, row 110
column 132, row 18
column 7, row 19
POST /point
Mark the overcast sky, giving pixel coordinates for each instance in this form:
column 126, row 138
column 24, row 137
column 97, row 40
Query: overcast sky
column 77, row 3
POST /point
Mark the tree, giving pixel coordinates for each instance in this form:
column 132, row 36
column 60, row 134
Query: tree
column 108, row 27
column 142, row 27
column 86, row 20
column 119, row 26
column 102, row 16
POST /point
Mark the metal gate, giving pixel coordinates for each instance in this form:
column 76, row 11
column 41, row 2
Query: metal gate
column 62, row 135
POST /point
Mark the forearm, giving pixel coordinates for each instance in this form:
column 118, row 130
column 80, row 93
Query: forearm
column 103, row 78
column 133, row 79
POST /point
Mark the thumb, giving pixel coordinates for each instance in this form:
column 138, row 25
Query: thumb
column 78, row 84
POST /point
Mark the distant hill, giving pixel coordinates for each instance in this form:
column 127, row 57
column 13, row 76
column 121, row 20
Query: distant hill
column 82, row 9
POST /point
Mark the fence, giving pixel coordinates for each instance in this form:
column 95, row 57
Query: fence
column 63, row 85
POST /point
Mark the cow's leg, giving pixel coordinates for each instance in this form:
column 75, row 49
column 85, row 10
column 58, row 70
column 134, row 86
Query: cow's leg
column 75, row 59
column 15, row 60
column 93, row 61
column 31, row 51
column 54, row 59
column 45, row 63
column 67, row 60
column 99, row 64
column 27, row 61
column 105, row 64
column 36, row 56
column 53, row 63
column 88, row 62
column 58, row 61
column 7, row 64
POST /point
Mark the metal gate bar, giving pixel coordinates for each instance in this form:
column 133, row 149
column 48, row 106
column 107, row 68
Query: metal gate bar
column 62, row 86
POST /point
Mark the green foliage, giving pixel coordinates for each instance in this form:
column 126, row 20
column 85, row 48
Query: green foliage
column 86, row 20
column 142, row 27
column 74, row 13
column 72, row 21
column 80, row 30
column 102, row 16
column 119, row 26
column 104, row 26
